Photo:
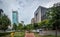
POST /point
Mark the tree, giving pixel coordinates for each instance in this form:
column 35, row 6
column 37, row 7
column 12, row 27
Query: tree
column 54, row 14
column 20, row 26
column 36, row 26
column 4, row 22
column 1, row 12
column 29, row 27
column 41, row 24
column 24, row 27
column 45, row 24
column 14, row 26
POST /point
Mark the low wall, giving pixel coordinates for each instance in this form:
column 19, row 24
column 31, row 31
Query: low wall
column 49, row 33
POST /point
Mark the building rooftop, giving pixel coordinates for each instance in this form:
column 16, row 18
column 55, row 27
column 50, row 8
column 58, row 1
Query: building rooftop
column 39, row 9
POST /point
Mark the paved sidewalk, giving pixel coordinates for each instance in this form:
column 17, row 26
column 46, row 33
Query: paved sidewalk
column 29, row 35
column 49, row 33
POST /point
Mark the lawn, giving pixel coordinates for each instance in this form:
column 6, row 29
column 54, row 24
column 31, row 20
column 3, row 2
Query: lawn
column 19, row 34
column 22, row 34
column 37, row 35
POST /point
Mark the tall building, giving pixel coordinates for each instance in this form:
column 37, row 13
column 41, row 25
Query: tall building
column 15, row 17
column 22, row 22
column 32, row 21
column 40, row 14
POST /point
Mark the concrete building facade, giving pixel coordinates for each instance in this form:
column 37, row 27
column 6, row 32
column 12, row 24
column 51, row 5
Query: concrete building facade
column 32, row 20
column 40, row 14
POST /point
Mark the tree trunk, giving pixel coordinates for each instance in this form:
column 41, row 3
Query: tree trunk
column 56, row 31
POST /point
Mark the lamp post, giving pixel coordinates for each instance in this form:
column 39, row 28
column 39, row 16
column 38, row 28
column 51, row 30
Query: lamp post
column 1, row 11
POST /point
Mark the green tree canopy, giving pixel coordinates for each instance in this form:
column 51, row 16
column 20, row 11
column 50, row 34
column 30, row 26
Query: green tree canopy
column 28, row 27
column 14, row 26
column 45, row 24
column 54, row 15
column 20, row 26
column 4, row 22
column 35, row 25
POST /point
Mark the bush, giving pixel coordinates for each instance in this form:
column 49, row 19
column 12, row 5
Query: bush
column 4, row 34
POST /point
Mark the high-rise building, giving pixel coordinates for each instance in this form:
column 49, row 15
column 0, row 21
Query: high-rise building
column 40, row 14
column 32, row 21
column 15, row 17
column 22, row 22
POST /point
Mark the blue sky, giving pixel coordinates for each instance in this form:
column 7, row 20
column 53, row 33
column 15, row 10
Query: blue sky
column 25, row 8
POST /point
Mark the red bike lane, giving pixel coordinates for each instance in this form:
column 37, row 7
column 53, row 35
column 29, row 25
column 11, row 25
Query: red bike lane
column 29, row 35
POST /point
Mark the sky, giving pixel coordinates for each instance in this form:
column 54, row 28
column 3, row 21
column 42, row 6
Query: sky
column 25, row 8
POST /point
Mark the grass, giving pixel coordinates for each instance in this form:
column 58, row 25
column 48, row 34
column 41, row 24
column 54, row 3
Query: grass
column 19, row 34
column 22, row 34
column 37, row 35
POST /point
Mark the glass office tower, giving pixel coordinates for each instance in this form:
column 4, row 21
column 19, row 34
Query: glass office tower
column 15, row 17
